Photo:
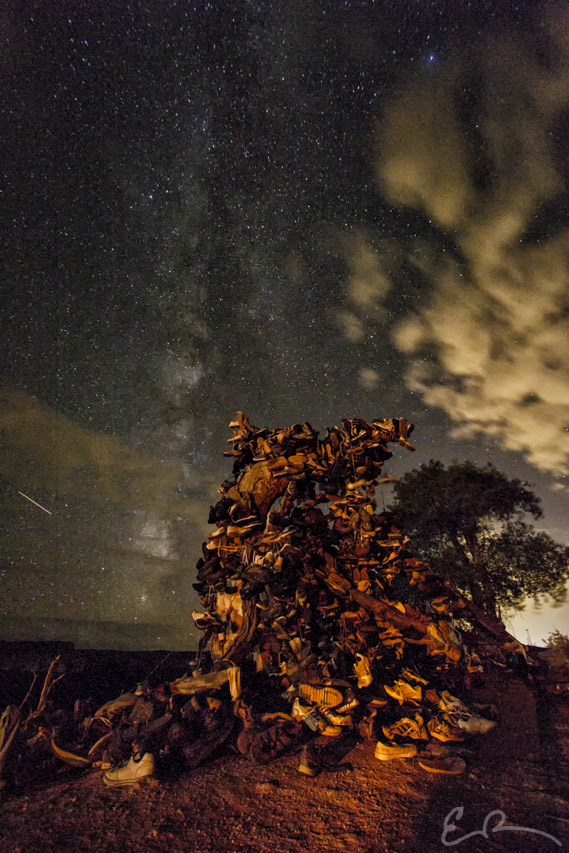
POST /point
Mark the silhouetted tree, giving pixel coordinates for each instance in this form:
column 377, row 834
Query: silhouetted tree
column 466, row 520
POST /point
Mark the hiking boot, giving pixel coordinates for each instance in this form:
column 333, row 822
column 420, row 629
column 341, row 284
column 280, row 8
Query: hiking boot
column 442, row 730
column 362, row 671
column 451, row 765
column 132, row 772
column 308, row 763
column 407, row 728
column 405, row 692
column 327, row 697
column 387, row 751
column 274, row 741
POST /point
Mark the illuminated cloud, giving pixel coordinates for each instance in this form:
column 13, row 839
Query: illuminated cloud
column 370, row 269
column 490, row 345
column 44, row 450
column 369, row 378
column 122, row 525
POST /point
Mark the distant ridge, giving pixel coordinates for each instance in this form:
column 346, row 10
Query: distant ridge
column 86, row 634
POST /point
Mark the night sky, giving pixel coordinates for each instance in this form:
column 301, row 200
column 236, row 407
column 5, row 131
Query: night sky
column 304, row 210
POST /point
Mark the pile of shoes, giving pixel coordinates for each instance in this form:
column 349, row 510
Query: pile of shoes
column 314, row 594
column 317, row 622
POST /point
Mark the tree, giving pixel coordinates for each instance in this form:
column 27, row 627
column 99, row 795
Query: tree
column 467, row 522
column 559, row 642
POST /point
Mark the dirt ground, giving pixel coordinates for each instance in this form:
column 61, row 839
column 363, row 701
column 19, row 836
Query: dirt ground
column 361, row 806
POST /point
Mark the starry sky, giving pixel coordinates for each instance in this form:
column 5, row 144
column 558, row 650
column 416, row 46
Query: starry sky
column 302, row 209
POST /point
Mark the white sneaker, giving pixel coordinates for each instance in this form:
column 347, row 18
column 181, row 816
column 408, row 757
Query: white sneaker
column 132, row 772
column 475, row 725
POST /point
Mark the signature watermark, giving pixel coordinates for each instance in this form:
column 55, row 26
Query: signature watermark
column 488, row 827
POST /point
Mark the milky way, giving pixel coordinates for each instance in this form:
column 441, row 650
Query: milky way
column 302, row 210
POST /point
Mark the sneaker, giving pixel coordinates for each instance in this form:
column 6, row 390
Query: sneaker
column 442, row 730
column 390, row 633
column 398, row 605
column 405, row 692
column 451, row 765
column 407, row 728
column 327, row 697
column 452, row 705
column 472, row 725
column 409, row 675
column 362, row 671
column 489, row 712
column 132, row 772
column 336, row 719
column 337, row 582
column 186, row 685
column 116, row 707
column 350, row 702
column 315, row 721
column 308, row 764
column 387, row 751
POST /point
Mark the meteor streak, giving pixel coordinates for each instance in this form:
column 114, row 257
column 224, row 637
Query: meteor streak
column 34, row 502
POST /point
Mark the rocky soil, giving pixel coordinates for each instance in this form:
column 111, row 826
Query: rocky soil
column 362, row 805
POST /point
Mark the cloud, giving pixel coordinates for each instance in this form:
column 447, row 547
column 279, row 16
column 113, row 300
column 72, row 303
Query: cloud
column 123, row 534
column 44, row 450
column 473, row 148
column 371, row 265
column 369, row 378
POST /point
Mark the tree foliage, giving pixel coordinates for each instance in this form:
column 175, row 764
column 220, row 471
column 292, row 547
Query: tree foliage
column 559, row 642
column 467, row 521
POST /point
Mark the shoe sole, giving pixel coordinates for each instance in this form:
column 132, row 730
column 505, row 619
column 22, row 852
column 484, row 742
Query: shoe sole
column 327, row 697
column 68, row 757
column 124, row 783
column 338, row 719
column 348, row 706
column 477, row 731
column 307, row 771
column 409, row 752
column 446, row 738
column 454, row 769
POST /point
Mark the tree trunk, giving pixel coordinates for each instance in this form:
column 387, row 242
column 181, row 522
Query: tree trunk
column 480, row 585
